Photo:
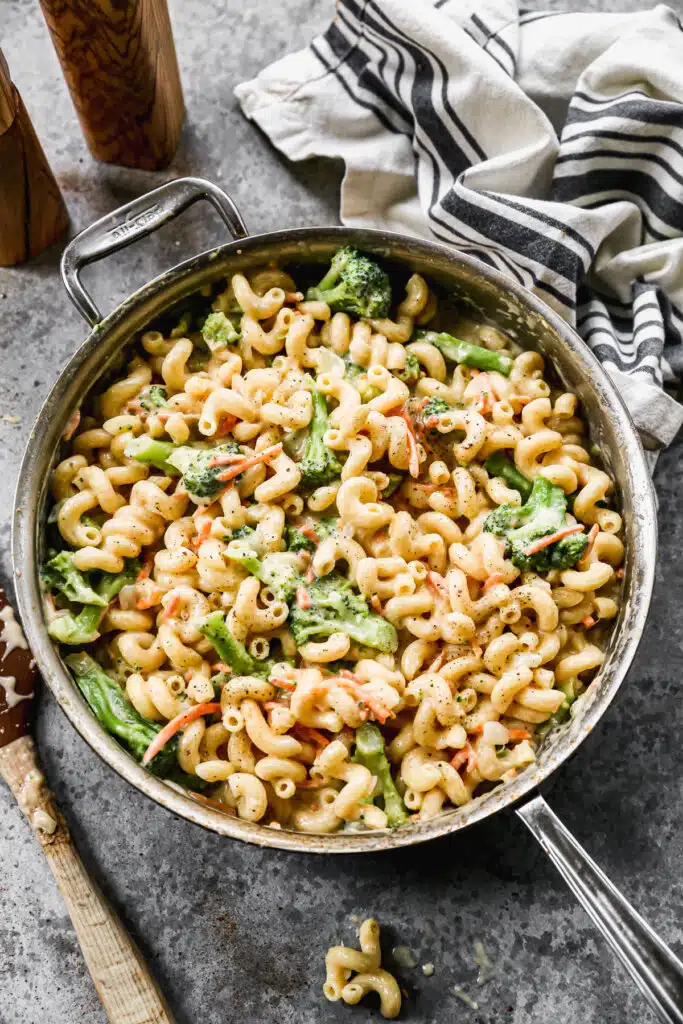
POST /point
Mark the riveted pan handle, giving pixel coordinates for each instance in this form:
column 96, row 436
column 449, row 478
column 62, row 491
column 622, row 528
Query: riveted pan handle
column 652, row 965
column 136, row 219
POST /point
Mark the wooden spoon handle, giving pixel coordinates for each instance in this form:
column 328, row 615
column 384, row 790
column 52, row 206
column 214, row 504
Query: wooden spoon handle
column 128, row 991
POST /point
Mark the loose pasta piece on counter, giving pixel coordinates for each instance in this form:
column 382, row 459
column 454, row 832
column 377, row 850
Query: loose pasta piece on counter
column 352, row 974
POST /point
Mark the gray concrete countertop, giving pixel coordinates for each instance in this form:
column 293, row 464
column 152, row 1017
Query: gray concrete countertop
column 237, row 933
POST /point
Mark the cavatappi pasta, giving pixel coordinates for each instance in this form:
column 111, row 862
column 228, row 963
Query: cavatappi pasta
column 352, row 973
column 324, row 562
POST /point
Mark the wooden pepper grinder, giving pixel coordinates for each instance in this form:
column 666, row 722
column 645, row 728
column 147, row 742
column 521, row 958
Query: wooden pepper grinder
column 120, row 64
column 32, row 211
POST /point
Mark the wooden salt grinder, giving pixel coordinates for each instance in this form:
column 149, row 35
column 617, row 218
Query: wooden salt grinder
column 32, row 211
column 119, row 61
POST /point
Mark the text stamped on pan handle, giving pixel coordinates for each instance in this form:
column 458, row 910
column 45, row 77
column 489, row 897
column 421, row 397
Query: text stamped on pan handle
column 135, row 220
column 652, row 965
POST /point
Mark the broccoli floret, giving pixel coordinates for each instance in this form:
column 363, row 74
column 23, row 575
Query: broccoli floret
column 354, row 284
column 114, row 711
column 371, row 754
column 241, row 533
column 61, row 574
column 183, row 325
column 155, row 453
column 318, row 465
column 201, row 480
column 218, row 331
column 332, row 606
column 153, row 397
column 434, row 407
column 322, row 528
column 395, row 481
column 410, row 373
column 498, row 465
column 544, row 514
column 231, row 651
column 358, row 377
column 274, row 570
column 81, row 628
column 464, row 352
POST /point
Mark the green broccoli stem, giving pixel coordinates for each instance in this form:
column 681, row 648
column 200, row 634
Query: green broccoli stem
column 82, row 628
column 464, row 352
column 148, row 450
column 118, row 716
column 498, row 465
column 370, row 752
column 229, row 650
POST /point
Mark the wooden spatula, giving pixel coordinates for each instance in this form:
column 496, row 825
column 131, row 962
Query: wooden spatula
column 128, row 992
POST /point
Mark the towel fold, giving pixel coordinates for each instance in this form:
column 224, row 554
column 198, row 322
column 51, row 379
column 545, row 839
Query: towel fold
column 549, row 145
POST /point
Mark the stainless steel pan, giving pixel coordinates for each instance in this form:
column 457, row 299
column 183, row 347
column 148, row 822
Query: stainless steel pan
column 657, row 972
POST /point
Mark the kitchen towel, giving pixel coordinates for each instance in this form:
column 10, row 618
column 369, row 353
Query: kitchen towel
column 549, row 145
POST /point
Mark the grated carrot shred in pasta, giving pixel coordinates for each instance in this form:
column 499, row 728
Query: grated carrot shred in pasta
column 413, row 450
column 254, row 460
column 303, row 598
column 150, row 600
column 171, row 607
column 544, row 542
column 147, row 565
column 493, row 580
column 203, row 535
column 517, row 735
column 438, row 584
column 175, row 725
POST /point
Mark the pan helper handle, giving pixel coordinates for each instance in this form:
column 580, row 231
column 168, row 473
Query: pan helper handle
column 135, row 220
column 654, row 968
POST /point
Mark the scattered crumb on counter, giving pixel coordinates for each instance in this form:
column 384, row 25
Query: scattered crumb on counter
column 403, row 956
column 467, row 1000
column 8, row 418
column 428, row 970
column 482, row 961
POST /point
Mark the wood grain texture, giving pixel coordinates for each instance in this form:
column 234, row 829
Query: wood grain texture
column 32, row 211
column 119, row 61
column 127, row 990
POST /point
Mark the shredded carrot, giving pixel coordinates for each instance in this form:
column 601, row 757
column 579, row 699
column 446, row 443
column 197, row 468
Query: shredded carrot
column 592, row 534
column 516, row 735
column 310, row 574
column 544, row 542
column 438, row 584
column 175, row 725
column 284, row 684
column 294, row 297
column 459, row 758
column 308, row 735
column 202, row 535
column 72, row 425
column 254, row 460
column 226, row 459
column 376, row 604
column 471, row 757
column 494, row 578
column 619, row 574
column 303, row 598
column 374, row 706
column 309, row 532
column 151, row 598
column 348, row 674
column 589, row 621
column 171, row 607
column 310, row 784
column 478, row 729
column 147, row 565
column 213, row 803
column 273, row 705
column 413, row 451
column 220, row 666
column 226, row 425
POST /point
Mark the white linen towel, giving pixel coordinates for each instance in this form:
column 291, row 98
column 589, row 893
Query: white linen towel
column 549, row 145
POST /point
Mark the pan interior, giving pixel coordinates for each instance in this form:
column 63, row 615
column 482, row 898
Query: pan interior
column 492, row 297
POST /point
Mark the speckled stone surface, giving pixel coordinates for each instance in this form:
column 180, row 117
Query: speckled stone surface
column 235, row 933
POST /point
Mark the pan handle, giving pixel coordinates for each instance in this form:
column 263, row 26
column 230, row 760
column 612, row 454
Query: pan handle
column 136, row 219
column 654, row 968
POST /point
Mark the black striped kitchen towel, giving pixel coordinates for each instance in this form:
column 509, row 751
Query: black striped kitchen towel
column 549, row 145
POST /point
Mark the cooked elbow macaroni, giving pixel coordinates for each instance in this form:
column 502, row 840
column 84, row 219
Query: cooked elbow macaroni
column 486, row 657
